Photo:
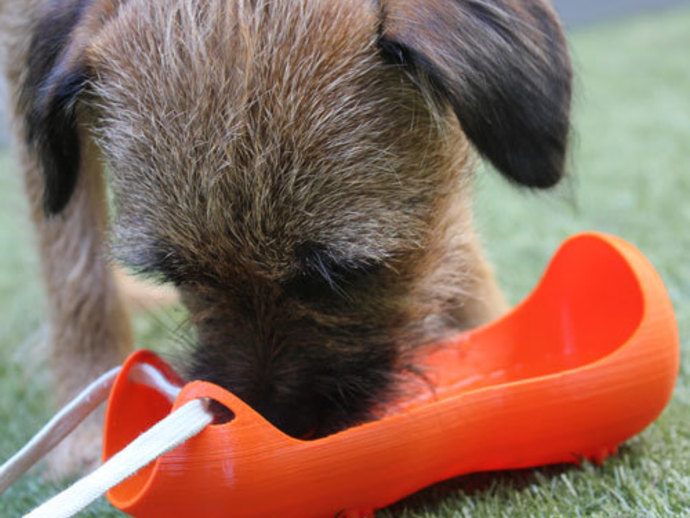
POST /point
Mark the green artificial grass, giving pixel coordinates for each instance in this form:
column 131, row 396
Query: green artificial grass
column 630, row 176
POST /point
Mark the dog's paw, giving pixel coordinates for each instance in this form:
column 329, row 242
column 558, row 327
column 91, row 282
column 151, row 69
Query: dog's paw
column 78, row 454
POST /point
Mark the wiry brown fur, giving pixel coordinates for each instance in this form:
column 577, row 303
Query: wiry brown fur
column 296, row 168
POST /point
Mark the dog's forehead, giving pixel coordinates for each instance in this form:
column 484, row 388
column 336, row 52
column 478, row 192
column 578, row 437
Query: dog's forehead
column 187, row 60
column 262, row 125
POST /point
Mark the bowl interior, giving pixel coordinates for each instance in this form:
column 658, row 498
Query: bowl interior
column 588, row 304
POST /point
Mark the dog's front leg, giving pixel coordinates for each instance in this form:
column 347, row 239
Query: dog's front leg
column 89, row 330
column 485, row 301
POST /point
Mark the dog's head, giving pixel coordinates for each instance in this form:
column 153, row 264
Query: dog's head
column 300, row 170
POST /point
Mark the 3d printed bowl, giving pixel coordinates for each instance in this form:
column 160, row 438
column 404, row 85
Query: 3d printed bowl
column 588, row 360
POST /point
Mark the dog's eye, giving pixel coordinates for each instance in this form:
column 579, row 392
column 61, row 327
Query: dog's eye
column 322, row 273
column 163, row 264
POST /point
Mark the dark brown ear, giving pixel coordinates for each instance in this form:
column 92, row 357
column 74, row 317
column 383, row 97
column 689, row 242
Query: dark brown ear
column 54, row 81
column 502, row 65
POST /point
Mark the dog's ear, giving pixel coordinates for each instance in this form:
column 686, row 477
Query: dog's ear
column 502, row 64
column 54, row 79
column 54, row 84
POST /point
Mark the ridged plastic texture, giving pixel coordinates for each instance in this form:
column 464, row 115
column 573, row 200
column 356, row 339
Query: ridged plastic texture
column 585, row 362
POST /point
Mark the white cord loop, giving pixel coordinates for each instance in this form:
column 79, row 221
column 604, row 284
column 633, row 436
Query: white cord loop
column 59, row 427
column 181, row 425
column 178, row 427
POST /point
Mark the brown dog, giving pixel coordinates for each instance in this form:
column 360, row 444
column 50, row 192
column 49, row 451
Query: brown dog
column 300, row 169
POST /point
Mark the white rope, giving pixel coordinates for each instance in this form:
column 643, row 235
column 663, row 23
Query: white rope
column 184, row 423
column 148, row 375
column 57, row 429
column 181, row 425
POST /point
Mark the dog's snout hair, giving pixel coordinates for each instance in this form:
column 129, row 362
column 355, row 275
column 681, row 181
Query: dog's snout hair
column 300, row 170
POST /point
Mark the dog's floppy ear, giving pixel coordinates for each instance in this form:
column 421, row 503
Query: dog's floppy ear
column 502, row 64
column 56, row 79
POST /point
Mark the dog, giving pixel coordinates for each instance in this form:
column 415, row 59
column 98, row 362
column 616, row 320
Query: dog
column 300, row 170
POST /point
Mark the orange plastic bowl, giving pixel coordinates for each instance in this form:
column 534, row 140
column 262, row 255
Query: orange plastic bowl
column 588, row 360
